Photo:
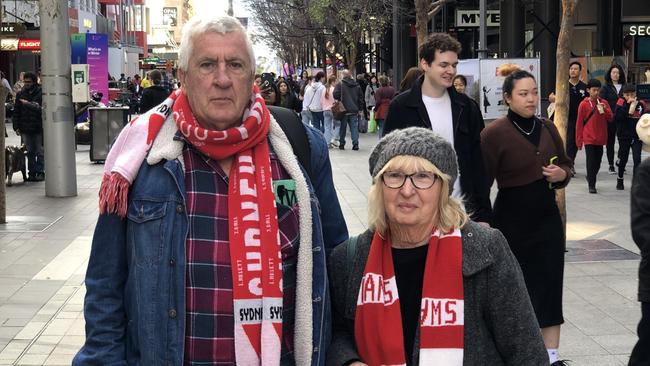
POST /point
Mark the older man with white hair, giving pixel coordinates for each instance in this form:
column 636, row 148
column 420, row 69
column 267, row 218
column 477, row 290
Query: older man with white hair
column 211, row 240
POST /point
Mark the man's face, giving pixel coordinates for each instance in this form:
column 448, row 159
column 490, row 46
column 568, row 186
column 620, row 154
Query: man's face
column 442, row 69
column 28, row 83
column 593, row 92
column 219, row 79
column 574, row 71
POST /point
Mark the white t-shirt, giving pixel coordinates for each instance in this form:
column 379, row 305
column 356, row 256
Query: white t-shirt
column 439, row 111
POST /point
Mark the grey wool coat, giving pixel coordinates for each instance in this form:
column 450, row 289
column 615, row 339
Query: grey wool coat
column 500, row 326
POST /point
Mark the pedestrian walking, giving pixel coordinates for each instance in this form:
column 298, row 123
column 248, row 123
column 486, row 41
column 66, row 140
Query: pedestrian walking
column 577, row 93
column 611, row 91
column 370, row 90
column 312, row 101
column 327, row 101
column 305, row 113
column 425, row 285
column 433, row 103
column 198, row 257
column 593, row 118
column 628, row 111
column 349, row 93
column 287, row 98
column 153, row 95
column 526, row 157
column 383, row 97
column 28, row 124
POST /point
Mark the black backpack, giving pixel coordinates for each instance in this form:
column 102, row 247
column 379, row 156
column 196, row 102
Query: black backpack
column 295, row 131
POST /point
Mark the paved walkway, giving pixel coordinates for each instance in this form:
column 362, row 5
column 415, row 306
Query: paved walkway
column 41, row 273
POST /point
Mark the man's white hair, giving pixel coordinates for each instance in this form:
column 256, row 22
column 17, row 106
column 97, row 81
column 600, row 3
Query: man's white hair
column 198, row 25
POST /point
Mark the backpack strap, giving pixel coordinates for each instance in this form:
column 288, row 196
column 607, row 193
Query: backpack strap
column 351, row 252
column 295, row 131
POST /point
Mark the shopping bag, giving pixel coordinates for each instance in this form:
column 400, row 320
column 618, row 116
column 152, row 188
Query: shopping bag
column 372, row 124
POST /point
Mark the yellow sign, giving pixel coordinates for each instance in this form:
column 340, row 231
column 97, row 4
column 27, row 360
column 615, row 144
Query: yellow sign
column 88, row 23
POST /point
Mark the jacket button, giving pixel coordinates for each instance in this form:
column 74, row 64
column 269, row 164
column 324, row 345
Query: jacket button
column 179, row 208
column 537, row 152
column 172, row 313
column 172, row 262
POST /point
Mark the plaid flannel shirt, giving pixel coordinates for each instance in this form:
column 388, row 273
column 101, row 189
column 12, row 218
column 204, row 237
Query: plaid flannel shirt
column 209, row 330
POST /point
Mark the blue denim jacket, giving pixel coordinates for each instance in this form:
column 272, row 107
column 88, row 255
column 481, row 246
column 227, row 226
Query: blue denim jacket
column 135, row 302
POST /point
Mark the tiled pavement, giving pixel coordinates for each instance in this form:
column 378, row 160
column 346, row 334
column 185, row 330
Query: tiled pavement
column 41, row 273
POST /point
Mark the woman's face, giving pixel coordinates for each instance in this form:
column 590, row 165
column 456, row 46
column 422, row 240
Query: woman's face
column 283, row 88
column 373, row 80
column 524, row 97
column 410, row 207
column 269, row 97
column 459, row 85
column 615, row 75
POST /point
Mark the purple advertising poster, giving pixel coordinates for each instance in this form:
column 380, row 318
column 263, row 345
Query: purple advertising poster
column 97, row 48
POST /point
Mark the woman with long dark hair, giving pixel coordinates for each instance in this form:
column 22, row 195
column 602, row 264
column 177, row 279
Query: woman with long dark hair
column 526, row 157
column 611, row 91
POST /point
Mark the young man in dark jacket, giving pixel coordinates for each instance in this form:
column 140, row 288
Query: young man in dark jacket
column 628, row 112
column 28, row 123
column 153, row 95
column 349, row 93
column 434, row 103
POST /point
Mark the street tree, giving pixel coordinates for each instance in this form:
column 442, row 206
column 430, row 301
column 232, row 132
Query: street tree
column 561, row 86
column 425, row 10
column 3, row 96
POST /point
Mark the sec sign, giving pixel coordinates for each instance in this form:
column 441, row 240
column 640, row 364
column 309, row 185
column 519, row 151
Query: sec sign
column 29, row 44
column 640, row 30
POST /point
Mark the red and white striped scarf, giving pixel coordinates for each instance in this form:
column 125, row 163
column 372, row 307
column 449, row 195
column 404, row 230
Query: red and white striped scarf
column 378, row 322
column 255, row 254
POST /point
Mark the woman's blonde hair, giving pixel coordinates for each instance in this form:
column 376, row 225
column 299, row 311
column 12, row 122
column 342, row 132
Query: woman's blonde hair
column 449, row 214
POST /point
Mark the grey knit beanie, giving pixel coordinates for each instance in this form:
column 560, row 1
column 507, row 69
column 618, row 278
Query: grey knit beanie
column 416, row 141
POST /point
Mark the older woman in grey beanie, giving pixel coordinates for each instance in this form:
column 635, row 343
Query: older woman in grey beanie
column 424, row 285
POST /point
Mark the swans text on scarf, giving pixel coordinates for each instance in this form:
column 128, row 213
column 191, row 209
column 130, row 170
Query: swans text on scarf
column 376, row 290
column 442, row 312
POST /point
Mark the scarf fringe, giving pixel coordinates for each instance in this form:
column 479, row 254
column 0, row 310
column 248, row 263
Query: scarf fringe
column 113, row 194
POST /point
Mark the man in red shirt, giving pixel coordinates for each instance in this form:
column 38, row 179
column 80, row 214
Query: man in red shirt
column 591, row 130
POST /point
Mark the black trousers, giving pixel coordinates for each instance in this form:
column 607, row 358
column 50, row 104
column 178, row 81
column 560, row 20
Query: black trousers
column 571, row 148
column 624, row 146
column 611, row 139
column 641, row 353
column 594, row 155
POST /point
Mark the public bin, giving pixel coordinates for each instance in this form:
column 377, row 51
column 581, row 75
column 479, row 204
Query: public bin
column 105, row 125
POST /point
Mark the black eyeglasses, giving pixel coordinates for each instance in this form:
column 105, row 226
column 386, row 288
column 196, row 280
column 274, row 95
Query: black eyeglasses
column 420, row 180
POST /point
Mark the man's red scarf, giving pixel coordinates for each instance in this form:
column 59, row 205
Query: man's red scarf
column 255, row 257
column 378, row 322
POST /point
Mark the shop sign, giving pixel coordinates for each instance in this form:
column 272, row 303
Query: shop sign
column 472, row 18
column 9, row 44
column 29, row 44
column 640, row 30
column 12, row 29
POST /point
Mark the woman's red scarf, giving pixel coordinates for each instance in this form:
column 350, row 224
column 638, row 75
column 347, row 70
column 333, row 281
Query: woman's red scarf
column 378, row 321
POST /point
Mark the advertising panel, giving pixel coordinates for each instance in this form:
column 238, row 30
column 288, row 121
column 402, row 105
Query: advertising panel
column 79, row 77
column 97, row 59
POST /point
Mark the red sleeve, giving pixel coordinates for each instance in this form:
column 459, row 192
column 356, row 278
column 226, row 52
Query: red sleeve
column 619, row 102
column 582, row 114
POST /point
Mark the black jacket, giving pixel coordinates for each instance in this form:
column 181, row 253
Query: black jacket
column 407, row 110
column 152, row 96
column 27, row 117
column 353, row 98
column 608, row 92
column 626, row 123
column 640, row 222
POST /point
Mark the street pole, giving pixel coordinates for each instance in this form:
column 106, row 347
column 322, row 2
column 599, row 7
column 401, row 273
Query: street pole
column 482, row 43
column 3, row 192
column 58, row 116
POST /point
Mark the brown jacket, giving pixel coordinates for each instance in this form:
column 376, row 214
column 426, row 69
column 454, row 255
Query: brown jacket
column 513, row 161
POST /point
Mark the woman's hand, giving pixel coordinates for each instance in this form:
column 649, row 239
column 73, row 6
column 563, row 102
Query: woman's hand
column 554, row 173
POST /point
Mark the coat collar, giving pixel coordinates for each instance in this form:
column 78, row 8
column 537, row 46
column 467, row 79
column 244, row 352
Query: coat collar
column 413, row 99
